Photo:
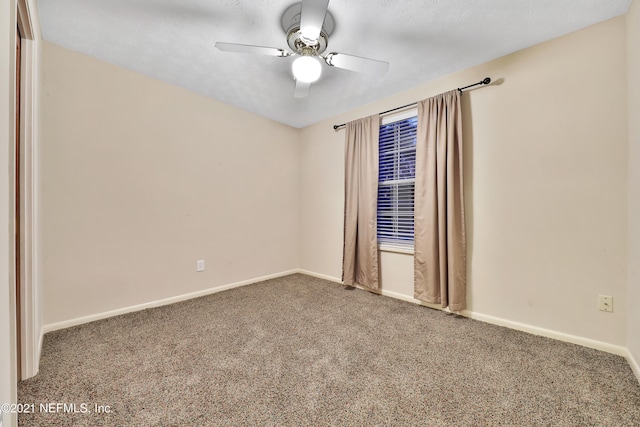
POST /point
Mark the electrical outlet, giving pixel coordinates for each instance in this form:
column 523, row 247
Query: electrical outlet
column 200, row 265
column 605, row 303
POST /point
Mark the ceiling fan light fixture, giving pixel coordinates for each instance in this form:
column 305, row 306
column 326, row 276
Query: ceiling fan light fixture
column 306, row 68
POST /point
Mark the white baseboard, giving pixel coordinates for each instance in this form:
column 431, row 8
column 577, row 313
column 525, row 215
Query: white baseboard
column 158, row 303
column 549, row 333
column 39, row 350
column 535, row 330
column 561, row 336
column 318, row 275
column 404, row 297
column 635, row 367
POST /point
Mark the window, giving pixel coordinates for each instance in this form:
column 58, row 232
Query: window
column 396, row 179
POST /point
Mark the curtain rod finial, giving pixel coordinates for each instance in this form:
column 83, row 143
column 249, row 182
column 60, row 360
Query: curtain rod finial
column 486, row 80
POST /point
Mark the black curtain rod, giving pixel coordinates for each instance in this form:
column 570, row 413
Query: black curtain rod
column 484, row 81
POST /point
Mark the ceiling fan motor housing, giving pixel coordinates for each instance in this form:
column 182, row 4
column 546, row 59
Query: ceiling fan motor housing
column 297, row 43
column 290, row 22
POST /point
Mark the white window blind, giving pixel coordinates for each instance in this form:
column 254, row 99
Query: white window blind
column 396, row 179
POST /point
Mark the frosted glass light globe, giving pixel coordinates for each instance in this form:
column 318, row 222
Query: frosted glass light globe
column 307, row 69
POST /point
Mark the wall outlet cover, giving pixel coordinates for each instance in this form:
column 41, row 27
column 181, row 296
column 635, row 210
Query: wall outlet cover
column 605, row 303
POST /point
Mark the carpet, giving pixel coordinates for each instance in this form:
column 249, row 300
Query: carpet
column 298, row 350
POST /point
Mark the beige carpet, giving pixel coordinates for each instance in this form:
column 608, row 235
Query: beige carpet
column 303, row 351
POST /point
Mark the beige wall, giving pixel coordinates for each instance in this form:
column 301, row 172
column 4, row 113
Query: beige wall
column 545, row 186
column 633, row 73
column 7, row 129
column 141, row 179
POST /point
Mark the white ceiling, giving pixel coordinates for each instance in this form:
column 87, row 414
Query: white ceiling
column 173, row 41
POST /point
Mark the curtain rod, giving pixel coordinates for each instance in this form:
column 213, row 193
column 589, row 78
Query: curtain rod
column 484, row 81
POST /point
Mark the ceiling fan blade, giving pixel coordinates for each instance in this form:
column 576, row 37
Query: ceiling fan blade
column 247, row 48
column 302, row 89
column 312, row 18
column 357, row 63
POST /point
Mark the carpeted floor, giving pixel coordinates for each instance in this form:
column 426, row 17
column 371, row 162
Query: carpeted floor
column 301, row 351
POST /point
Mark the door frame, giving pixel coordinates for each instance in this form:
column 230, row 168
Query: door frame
column 30, row 328
column 17, row 205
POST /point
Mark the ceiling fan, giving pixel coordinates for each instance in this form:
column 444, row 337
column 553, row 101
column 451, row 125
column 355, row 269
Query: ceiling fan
column 308, row 26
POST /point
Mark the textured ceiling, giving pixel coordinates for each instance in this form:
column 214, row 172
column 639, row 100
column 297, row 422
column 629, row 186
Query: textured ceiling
column 173, row 41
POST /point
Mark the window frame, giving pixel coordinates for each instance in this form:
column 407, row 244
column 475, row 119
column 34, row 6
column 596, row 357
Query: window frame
column 386, row 246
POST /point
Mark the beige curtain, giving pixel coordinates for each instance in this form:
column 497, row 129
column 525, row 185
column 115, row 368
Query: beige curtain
column 440, row 245
column 360, row 255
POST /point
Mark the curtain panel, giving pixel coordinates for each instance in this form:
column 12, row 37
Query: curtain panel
column 360, row 252
column 440, row 243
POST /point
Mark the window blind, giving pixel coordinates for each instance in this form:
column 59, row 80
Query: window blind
column 396, row 181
